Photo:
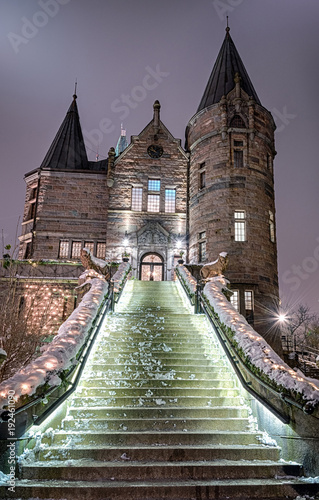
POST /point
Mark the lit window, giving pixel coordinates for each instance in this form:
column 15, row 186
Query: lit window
column 64, row 249
column 249, row 306
column 153, row 203
column 170, row 200
column 154, row 185
column 137, row 198
column 240, row 225
column 248, row 300
column 271, row 226
column 238, row 158
column 101, row 250
column 76, row 249
column 234, row 299
column 90, row 246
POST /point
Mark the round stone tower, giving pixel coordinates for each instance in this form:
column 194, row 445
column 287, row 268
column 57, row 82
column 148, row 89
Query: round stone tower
column 231, row 189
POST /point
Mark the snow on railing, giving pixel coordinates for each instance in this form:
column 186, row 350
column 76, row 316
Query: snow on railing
column 61, row 353
column 120, row 276
column 188, row 280
column 254, row 347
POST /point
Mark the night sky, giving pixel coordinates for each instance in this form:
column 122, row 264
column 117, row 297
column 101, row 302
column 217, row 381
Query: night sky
column 110, row 46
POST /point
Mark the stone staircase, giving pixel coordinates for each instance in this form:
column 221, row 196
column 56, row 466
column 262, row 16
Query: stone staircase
column 157, row 416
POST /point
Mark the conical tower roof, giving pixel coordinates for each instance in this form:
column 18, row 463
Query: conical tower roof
column 67, row 151
column 221, row 80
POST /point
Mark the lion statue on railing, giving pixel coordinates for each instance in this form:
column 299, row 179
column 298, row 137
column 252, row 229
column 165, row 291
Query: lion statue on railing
column 92, row 263
column 216, row 268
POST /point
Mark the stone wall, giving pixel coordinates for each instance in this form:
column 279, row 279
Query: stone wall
column 64, row 205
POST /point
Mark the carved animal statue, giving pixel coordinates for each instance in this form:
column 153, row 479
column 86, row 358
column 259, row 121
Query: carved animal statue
column 216, row 268
column 98, row 265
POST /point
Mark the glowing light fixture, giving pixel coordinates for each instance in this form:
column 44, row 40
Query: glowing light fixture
column 282, row 318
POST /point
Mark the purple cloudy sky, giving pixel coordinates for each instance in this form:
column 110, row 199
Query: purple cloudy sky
column 110, row 46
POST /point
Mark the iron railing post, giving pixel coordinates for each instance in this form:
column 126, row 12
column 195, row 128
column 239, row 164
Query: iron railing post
column 197, row 305
column 112, row 295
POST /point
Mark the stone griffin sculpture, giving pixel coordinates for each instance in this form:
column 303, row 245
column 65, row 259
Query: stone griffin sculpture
column 98, row 266
column 216, row 268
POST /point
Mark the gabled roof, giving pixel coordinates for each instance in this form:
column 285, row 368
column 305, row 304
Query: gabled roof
column 67, row 151
column 221, row 80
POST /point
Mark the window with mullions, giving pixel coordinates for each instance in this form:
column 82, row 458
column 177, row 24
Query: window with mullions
column 90, row 246
column 234, row 299
column 237, row 122
column 154, row 185
column 64, row 249
column 137, row 199
column 240, row 225
column 170, row 200
column 238, row 158
column 101, row 250
column 249, row 306
column 153, row 203
column 76, row 249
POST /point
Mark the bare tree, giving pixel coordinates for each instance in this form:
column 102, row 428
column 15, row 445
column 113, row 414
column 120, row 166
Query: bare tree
column 297, row 326
column 25, row 318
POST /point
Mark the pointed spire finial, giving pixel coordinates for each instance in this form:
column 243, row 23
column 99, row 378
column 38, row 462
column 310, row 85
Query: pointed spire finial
column 75, row 86
column 227, row 27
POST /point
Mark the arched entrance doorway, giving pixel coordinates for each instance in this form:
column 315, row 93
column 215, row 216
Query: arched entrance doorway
column 152, row 267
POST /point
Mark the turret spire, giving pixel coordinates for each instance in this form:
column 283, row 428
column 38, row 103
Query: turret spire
column 67, row 151
column 222, row 78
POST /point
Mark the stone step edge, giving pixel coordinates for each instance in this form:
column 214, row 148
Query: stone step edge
column 157, row 463
column 153, row 484
column 160, row 419
column 192, row 447
column 158, row 433
column 151, row 408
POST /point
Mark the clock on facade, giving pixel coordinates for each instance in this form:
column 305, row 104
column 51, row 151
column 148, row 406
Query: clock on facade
column 155, row 151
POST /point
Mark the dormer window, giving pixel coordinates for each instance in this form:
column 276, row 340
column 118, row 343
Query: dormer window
column 237, row 122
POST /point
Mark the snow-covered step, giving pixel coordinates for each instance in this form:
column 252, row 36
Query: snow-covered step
column 158, row 384
column 158, row 424
column 160, row 453
column 155, row 438
column 185, row 401
column 143, row 412
column 226, row 388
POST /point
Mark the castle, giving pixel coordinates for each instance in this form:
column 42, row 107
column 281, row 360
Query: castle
column 155, row 200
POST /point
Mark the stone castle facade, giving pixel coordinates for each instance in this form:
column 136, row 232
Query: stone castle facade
column 154, row 198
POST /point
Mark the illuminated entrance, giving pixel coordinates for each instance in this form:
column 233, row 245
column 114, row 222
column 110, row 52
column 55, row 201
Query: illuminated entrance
column 152, row 267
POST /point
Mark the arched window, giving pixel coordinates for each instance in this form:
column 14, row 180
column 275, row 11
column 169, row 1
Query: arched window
column 237, row 122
